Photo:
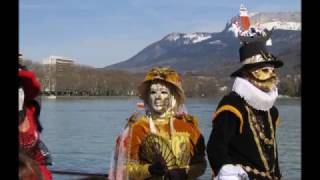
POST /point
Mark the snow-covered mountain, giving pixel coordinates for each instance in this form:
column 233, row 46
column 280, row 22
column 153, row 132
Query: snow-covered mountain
column 205, row 51
column 188, row 38
column 269, row 20
column 295, row 26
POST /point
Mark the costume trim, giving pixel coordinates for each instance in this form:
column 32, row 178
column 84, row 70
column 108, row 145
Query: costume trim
column 231, row 109
column 137, row 170
column 255, row 97
column 258, row 139
column 278, row 122
column 141, row 122
column 254, row 59
column 256, row 171
column 191, row 119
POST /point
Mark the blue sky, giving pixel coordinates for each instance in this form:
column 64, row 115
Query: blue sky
column 104, row 32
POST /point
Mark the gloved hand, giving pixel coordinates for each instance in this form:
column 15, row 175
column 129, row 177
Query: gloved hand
column 232, row 172
column 176, row 174
column 158, row 168
column 21, row 98
column 21, row 109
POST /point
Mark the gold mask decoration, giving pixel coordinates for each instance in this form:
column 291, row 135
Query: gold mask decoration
column 264, row 73
column 264, row 78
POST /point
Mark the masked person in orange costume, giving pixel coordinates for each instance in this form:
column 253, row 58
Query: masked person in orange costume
column 29, row 125
column 242, row 144
column 163, row 143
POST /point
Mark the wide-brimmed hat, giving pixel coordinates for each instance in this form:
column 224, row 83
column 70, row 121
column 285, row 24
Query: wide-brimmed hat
column 29, row 83
column 163, row 74
column 254, row 55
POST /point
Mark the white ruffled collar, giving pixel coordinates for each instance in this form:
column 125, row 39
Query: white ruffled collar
column 255, row 97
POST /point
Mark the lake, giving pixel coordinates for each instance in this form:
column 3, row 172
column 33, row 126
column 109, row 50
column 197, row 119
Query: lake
column 80, row 131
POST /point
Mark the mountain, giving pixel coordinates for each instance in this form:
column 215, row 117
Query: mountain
column 217, row 52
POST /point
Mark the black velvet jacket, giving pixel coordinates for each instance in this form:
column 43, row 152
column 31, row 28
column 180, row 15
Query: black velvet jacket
column 239, row 136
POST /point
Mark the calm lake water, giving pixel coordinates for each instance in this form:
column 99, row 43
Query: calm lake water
column 80, row 132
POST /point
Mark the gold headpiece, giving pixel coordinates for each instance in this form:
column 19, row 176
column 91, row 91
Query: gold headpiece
column 165, row 74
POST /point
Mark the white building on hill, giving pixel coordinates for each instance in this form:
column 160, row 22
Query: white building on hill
column 56, row 69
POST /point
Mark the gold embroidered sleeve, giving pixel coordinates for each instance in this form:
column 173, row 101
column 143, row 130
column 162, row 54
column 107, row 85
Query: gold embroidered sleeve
column 231, row 109
column 138, row 171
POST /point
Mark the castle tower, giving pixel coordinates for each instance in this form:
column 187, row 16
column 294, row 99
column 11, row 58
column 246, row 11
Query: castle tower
column 244, row 18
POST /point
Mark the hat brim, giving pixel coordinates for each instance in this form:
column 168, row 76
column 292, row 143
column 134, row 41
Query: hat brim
column 142, row 89
column 247, row 67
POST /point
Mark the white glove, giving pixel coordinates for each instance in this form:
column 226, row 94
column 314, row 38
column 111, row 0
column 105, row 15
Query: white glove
column 232, row 172
column 21, row 98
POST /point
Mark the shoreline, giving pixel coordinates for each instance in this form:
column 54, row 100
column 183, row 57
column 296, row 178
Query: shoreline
column 123, row 96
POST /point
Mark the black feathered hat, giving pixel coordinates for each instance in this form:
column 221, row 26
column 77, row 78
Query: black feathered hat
column 254, row 54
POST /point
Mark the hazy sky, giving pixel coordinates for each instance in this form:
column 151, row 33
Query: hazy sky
column 104, row 32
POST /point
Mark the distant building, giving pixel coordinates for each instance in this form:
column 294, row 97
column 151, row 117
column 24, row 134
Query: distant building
column 52, row 60
column 56, row 69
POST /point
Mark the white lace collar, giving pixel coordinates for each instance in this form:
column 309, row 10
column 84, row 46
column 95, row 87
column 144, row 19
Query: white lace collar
column 255, row 97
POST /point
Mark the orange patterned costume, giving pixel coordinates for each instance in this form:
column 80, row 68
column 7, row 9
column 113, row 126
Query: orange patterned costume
column 175, row 137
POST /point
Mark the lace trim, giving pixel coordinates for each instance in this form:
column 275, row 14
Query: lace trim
column 255, row 97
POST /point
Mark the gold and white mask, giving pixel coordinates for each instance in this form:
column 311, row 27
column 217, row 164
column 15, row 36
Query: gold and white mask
column 159, row 98
column 264, row 78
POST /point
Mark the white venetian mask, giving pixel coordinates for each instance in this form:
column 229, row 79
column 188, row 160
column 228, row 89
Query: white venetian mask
column 159, row 98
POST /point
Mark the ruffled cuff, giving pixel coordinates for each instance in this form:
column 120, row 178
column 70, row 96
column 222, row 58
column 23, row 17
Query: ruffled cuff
column 232, row 172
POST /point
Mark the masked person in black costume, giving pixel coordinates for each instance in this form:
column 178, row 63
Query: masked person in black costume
column 242, row 143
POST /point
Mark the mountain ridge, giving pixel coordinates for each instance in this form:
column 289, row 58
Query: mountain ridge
column 207, row 51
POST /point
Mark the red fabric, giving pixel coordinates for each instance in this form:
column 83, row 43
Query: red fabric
column 29, row 142
column 46, row 174
column 30, row 84
column 28, row 139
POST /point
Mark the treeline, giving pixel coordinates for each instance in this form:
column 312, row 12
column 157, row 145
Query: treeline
column 81, row 80
column 290, row 85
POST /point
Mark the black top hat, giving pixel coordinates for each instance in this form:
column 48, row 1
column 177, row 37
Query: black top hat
column 253, row 55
